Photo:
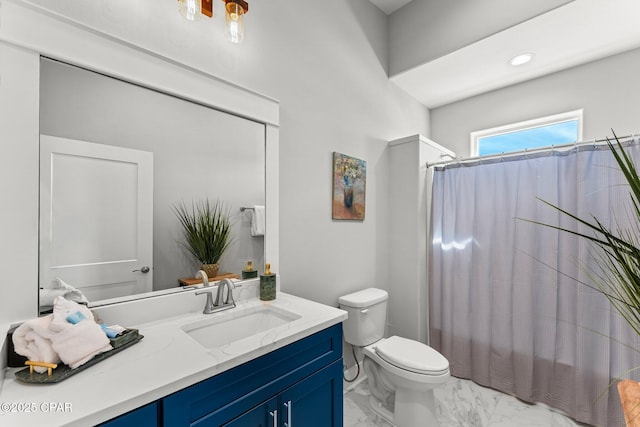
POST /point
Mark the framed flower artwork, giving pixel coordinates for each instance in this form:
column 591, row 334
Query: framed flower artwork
column 349, row 187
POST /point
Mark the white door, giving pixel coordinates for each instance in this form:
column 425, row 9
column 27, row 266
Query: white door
column 96, row 217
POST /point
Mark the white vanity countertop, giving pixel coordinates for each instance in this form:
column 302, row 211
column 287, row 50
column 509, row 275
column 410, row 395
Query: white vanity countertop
column 165, row 361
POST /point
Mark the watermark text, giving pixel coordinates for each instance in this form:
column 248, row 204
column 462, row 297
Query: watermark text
column 33, row 407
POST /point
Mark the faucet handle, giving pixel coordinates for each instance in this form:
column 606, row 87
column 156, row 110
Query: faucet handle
column 208, row 306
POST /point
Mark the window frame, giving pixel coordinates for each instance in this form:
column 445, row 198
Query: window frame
column 525, row 125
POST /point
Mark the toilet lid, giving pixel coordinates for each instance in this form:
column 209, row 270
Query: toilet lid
column 412, row 355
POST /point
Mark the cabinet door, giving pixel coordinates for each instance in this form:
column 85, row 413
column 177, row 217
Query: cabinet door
column 315, row 401
column 263, row 415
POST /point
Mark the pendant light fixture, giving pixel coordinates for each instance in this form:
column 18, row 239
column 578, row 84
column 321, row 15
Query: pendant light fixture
column 190, row 9
column 234, row 15
column 234, row 19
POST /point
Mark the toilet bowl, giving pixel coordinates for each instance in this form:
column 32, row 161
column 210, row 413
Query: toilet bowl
column 401, row 373
column 406, row 378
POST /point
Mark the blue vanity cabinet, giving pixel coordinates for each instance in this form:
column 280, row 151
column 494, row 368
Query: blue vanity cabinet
column 144, row 416
column 305, row 375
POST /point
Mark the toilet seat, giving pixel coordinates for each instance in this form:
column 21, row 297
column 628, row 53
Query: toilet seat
column 412, row 356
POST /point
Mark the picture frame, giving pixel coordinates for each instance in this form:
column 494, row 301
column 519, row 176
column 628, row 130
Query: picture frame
column 349, row 187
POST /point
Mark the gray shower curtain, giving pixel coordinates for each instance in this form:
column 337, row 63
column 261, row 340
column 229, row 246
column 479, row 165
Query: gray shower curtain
column 504, row 307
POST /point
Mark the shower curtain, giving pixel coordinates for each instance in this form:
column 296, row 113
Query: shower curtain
column 504, row 306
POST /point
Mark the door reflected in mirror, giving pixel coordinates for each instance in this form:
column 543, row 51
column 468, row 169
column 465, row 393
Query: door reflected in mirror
column 197, row 152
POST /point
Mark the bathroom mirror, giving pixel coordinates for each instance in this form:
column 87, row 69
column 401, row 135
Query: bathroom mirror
column 198, row 152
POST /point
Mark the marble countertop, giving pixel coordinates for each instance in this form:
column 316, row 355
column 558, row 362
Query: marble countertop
column 165, row 361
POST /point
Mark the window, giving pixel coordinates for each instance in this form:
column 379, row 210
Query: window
column 559, row 129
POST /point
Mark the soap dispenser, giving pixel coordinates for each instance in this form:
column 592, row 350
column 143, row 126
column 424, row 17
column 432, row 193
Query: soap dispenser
column 249, row 272
column 267, row 284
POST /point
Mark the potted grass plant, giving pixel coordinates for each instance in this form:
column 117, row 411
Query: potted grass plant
column 617, row 267
column 206, row 229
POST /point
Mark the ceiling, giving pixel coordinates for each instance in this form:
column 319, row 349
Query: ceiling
column 389, row 6
column 575, row 33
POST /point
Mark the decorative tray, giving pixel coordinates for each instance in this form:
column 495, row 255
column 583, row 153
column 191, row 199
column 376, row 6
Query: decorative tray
column 62, row 372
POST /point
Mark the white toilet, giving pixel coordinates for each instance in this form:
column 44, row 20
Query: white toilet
column 402, row 373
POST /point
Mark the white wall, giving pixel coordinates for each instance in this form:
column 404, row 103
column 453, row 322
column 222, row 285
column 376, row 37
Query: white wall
column 325, row 62
column 607, row 89
column 342, row 102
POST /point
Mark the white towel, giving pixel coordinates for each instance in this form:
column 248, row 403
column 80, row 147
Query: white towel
column 32, row 339
column 258, row 221
column 76, row 344
column 62, row 308
column 61, row 288
column 53, row 339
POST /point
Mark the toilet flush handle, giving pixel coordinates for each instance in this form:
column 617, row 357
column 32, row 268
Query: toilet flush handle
column 364, row 311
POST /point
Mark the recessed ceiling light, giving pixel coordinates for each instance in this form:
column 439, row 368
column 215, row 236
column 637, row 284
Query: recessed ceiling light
column 521, row 59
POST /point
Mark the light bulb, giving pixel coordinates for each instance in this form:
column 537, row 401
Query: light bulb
column 190, row 9
column 234, row 22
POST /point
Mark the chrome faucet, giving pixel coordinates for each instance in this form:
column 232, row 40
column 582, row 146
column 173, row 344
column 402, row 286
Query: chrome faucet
column 201, row 274
column 225, row 283
column 219, row 305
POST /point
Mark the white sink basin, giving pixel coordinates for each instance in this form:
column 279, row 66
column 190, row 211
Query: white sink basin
column 235, row 324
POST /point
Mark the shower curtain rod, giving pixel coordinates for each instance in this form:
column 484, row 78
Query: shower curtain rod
column 530, row 151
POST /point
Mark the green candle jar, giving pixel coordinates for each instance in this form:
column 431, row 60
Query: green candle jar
column 249, row 272
column 267, row 284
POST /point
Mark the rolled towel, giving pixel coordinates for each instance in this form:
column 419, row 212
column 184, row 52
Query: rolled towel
column 258, row 221
column 77, row 343
column 32, row 339
column 61, row 288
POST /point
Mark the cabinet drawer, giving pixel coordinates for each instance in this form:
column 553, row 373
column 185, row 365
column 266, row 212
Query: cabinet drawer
column 254, row 381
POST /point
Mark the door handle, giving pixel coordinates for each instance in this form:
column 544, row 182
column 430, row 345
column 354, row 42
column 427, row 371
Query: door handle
column 144, row 270
column 288, row 405
column 274, row 417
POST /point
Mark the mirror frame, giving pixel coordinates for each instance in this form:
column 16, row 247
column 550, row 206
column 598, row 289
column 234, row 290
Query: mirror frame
column 28, row 31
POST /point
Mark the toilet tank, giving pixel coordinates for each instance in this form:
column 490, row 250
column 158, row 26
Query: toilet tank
column 367, row 311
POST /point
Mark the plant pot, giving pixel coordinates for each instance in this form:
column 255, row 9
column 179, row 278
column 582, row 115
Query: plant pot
column 211, row 269
column 629, row 392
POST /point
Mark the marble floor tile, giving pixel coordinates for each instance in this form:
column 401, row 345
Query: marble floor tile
column 465, row 403
column 357, row 412
column 459, row 403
